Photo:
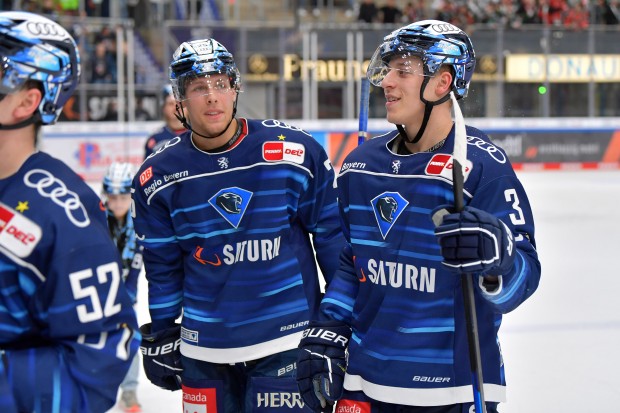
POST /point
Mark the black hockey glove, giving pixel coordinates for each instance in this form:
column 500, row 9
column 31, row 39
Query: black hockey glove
column 474, row 241
column 321, row 363
column 161, row 356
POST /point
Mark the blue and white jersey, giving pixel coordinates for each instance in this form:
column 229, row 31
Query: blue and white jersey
column 158, row 139
column 66, row 322
column 409, row 339
column 228, row 239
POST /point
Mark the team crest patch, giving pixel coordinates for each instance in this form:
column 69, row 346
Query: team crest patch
column 284, row 151
column 387, row 208
column 441, row 164
column 231, row 204
column 18, row 234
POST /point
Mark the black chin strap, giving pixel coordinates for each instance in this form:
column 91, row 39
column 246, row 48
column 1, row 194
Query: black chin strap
column 180, row 115
column 21, row 124
column 428, row 107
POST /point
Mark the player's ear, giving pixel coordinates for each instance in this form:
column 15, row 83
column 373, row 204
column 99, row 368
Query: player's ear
column 28, row 104
column 444, row 81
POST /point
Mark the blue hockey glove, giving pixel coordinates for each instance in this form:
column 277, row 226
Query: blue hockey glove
column 474, row 241
column 321, row 363
column 161, row 356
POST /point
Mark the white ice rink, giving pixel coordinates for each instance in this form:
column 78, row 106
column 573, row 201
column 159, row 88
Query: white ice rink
column 561, row 347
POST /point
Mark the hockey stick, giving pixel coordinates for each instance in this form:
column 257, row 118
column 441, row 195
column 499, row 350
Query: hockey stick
column 364, row 96
column 459, row 159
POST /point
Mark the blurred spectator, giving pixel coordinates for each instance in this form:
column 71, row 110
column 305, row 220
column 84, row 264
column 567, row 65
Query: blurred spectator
column 414, row 11
column 552, row 11
column 389, row 13
column 103, row 66
column 577, row 17
column 527, row 13
column 368, row 11
column 604, row 13
column 463, row 18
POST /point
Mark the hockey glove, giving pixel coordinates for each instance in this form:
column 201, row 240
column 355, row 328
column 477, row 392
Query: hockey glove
column 161, row 356
column 321, row 363
column 474, row 241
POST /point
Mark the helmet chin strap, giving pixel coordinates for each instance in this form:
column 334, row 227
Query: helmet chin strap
column 428, row 107
column 21, row 124
column 181, row 117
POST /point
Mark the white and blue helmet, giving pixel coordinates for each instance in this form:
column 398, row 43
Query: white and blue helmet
column 198, row 58
column 436, row 43
column 36, row 48
column 117, row 179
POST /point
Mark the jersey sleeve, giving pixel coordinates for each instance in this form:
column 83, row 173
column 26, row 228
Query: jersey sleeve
column 163, row 258
column 82, row 331
column 319, row 213
column 506, row 198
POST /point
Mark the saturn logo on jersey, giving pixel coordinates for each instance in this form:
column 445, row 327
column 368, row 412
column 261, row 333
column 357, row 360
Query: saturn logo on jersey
column 387, row 208
column 231, row 204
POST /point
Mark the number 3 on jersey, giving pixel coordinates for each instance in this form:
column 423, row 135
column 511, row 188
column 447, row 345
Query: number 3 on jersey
column 517, row 219
column 79, row 292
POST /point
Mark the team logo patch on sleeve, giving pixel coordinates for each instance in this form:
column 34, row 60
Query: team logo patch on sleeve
column 18, row 234
column 284, row 151
column 146, row 175
column 441, row 164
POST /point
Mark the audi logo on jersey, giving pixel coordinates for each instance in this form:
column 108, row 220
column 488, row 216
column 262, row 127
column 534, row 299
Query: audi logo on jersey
column 45, row 29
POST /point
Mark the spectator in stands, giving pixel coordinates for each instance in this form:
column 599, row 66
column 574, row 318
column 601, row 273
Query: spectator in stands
column 604, row 13
column 368, row 12
column 389, row 13
column 552, row 11
column 414, row 11
column 527, row 13
column 577, row 17
column 103, row 66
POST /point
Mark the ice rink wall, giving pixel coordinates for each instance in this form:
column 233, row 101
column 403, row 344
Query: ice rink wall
column 531, row 143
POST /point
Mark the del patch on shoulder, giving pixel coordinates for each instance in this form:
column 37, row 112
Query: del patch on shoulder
column 18, row 234
column 441, row 164
column 284, row 151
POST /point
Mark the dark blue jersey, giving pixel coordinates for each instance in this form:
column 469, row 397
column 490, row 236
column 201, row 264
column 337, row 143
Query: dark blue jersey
column 409, row 342
column 158, row 139
column 124, row 238
column 230, row 239
column 67, row 325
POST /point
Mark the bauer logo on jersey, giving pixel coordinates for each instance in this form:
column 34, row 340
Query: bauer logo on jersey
column 387, row 208
column 18, row 234
column 231, row 204
column 441, row 164
column 284, row 151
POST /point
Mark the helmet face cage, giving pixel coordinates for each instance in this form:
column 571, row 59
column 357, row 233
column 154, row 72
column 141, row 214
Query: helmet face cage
column 201, row 58
column 117, row 179
column 435, row 43
column 36, row 48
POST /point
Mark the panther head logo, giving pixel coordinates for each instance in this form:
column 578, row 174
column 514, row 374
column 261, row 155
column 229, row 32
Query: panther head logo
column 229, row 202
column 387, row 206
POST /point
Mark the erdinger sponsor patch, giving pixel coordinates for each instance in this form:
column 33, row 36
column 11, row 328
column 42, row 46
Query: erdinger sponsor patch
column 18, row 234
column 352, row 406
column 146, row 175
column 284, row 151
column 441, row 164
column 199, row 400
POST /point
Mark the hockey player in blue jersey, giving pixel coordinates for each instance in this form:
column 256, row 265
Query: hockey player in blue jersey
column 172, row 125
column 116, row 195
column 396, row 304
column 232, row 214
column 68, row 331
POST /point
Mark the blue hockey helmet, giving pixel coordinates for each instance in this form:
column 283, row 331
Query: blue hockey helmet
column 117, row 179
column 436, row 43
column 34, row 48
column 200, row 58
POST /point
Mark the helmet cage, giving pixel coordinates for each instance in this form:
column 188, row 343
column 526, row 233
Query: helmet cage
column 435, row 43
column 50, row 58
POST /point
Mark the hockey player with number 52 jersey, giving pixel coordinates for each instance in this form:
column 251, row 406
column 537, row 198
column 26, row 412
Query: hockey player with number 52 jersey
column 68, row 331
column 231, row 215
column 396, row 303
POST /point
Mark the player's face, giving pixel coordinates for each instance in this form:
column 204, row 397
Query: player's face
column 209, row 102
column 119, row 204
column 401, row 85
